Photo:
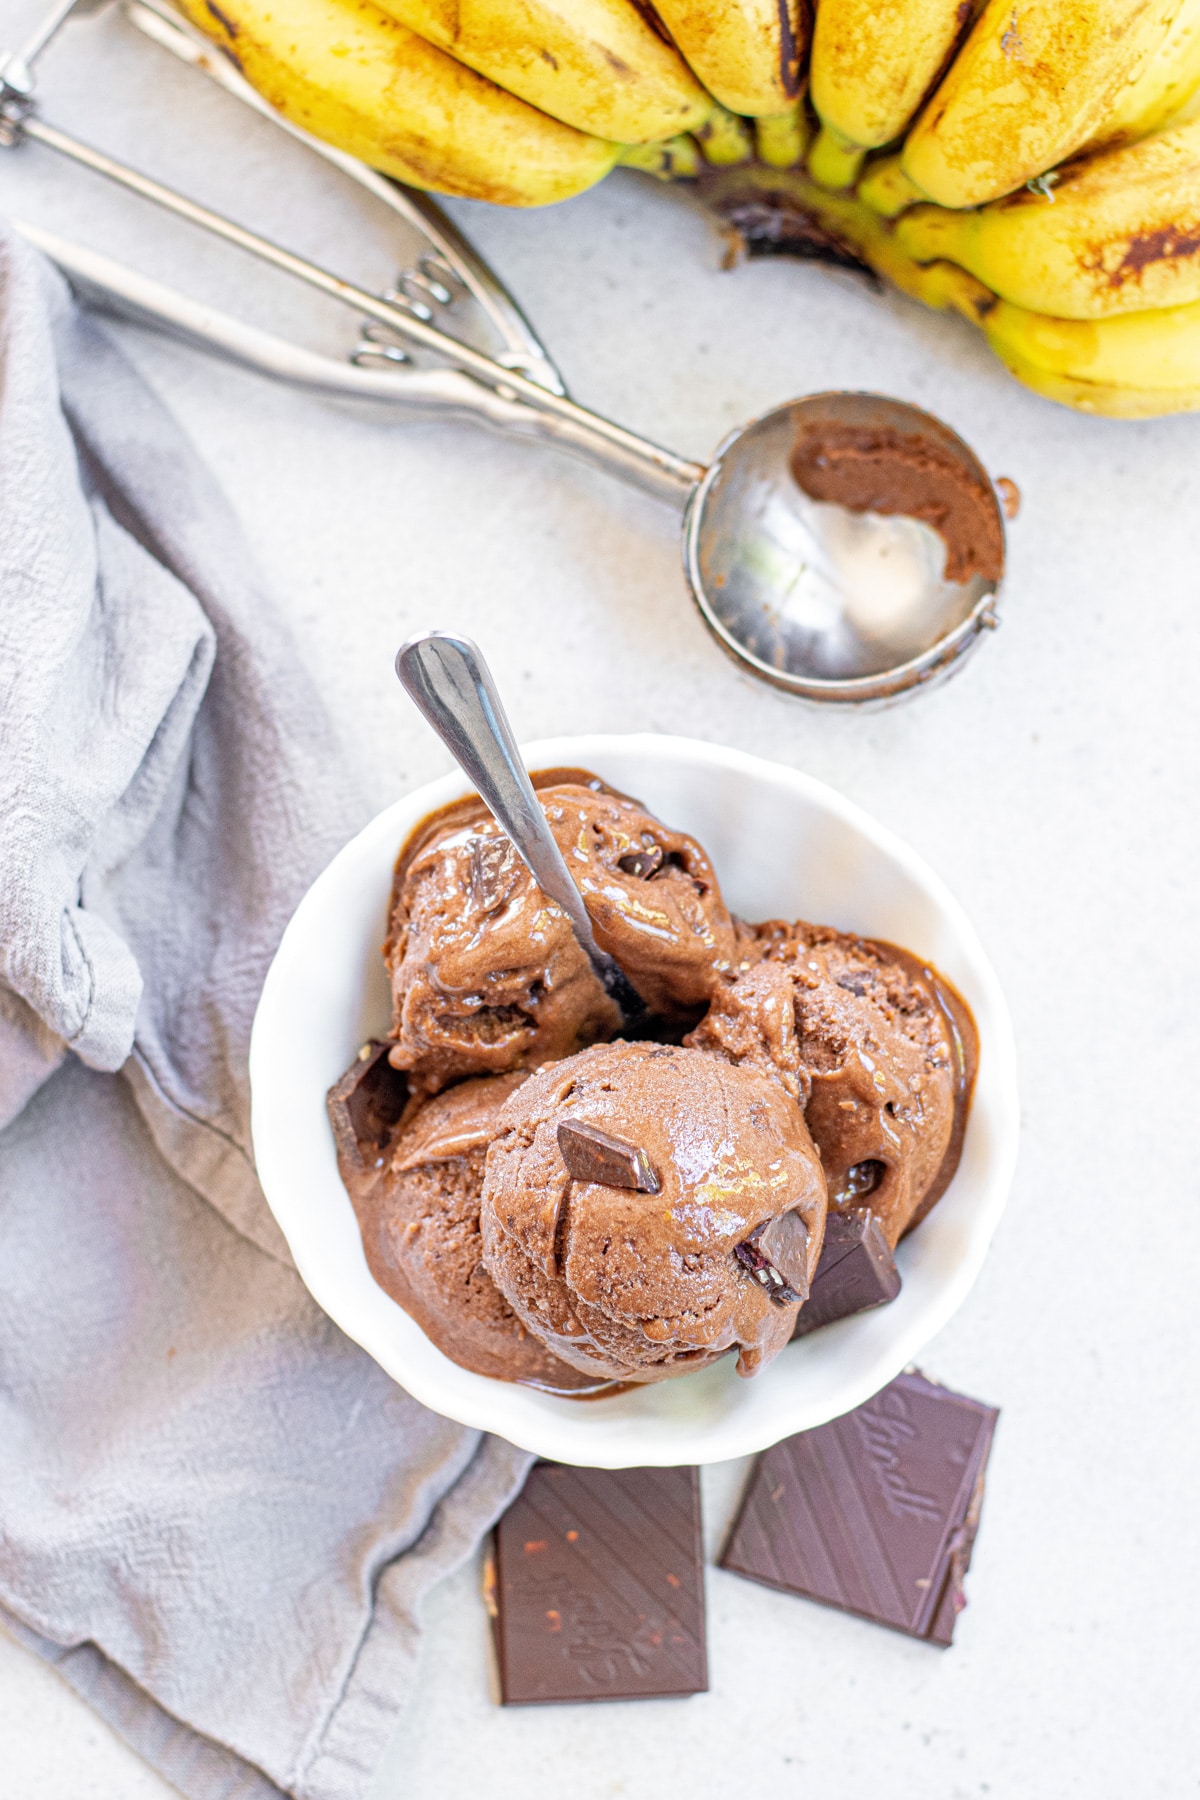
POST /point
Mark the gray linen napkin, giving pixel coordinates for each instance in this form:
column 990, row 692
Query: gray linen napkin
column 217, row 1516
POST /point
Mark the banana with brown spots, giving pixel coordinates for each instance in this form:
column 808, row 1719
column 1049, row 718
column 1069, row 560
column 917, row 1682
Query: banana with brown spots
column 596, row 64
column 1118, row 232
column 872, row 66
column 350, row 74
column 749, row 53
column 1033, row 84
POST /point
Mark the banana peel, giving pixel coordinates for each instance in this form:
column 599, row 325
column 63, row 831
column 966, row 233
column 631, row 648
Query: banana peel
column 1031, row 86
column 1087, row 288
column 347, row 72
column 1117, row 232
column 750, row 54
column 599, row 65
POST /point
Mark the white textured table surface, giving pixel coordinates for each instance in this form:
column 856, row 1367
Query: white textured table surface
column 1054, row 782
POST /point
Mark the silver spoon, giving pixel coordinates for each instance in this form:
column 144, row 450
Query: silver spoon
column 451, row 684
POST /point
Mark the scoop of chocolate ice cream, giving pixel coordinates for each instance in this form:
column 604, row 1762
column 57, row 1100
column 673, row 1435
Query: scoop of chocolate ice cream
column 414, row 1172
column 639, row 1285
column 486, row 973
column 875, row 468
column 876, row 1047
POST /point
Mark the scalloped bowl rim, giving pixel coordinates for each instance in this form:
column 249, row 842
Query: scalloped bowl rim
column 326, row 991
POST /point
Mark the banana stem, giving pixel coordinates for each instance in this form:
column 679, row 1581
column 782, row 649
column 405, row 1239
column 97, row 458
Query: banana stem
column 886, row 189
column 671, row 159
column 724, row 139
column 834, row 162
column 782, row 138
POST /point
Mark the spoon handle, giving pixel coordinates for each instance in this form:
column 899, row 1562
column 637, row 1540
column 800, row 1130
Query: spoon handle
column 451, row 684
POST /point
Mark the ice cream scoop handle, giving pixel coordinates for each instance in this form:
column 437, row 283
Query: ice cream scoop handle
column 450, row 682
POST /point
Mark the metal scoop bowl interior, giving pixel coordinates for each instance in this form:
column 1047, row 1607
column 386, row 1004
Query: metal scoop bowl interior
column 826, row 603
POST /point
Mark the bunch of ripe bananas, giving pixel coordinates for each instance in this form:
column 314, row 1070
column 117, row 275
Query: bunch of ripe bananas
column 1031, row 164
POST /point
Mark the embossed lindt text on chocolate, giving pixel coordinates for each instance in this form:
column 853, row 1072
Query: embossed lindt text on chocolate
column 876, row 1512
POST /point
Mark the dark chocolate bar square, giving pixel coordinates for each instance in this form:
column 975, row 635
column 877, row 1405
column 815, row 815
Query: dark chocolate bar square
column 599, row 1586
column 856, row 1271
column 875, row 1512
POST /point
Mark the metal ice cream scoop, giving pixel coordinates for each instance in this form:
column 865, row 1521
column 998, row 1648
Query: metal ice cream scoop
column 826, row 603
column 451, row 684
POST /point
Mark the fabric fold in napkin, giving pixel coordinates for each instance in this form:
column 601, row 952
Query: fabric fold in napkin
column 218, row 1517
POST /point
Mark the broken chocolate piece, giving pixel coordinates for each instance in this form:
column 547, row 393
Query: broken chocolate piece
column 593, row 1155
column 642, row 863
column 875, row 1512
column 599, row 1586
column 365, row 1105
column 954, row 1596
column 856, row 1271
column 776, row 1254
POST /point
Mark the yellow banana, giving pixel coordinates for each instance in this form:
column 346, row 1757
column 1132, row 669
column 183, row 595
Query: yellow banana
column 595, row 64
column 1032, row 84
column 873, row 64
column 1167, row 82
column 749, row 53
column 1188, row 111
column 1136, row 367
column 1118, row 232
column 350, row 74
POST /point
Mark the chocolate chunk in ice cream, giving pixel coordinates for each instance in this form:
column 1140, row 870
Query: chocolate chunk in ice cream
column 776, row 1254
column 877, row 1049
column 879, row 469
column 857, row 1271
column 486, row 973
column 594, row 1155
column 369, row 1100
column 640, row 1286
column 415, row 1192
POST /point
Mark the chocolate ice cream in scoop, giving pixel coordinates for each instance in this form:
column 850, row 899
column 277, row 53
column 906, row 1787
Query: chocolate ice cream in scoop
column 875, row 1046
column 486, row 973
column 414, row 1171
column 713, row 1250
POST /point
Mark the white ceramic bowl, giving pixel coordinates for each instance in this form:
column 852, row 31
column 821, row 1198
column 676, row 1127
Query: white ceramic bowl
column 784, row 846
